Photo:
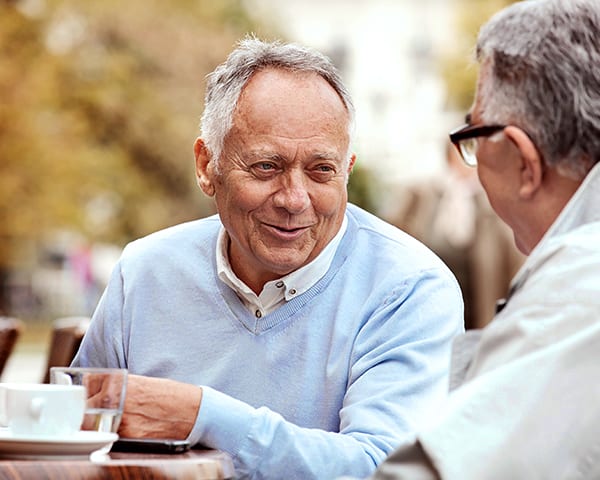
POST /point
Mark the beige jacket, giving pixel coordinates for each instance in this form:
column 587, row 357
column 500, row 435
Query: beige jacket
column 529, row 407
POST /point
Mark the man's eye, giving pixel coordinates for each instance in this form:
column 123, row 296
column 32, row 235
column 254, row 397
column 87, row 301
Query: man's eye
column 265, row 166
column 323, row 172
column 264, row 169
column 324, row 169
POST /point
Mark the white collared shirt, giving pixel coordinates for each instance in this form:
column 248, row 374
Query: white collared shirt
column 276, row 292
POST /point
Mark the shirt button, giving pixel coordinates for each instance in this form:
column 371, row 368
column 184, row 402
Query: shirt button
column 279, row 284
column 293, row 291
column 258, row 314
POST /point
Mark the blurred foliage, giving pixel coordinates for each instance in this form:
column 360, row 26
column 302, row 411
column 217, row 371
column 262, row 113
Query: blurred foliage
column 458, row 67
column 100, row 104
column 362, row 188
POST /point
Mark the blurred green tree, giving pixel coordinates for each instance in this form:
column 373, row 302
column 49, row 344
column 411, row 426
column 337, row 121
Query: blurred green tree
column 457, row 65
column 362, row 188
column 100, row 103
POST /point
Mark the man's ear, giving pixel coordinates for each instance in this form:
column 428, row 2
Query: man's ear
column 351, row 163
column 204, row 167
column 532, row 164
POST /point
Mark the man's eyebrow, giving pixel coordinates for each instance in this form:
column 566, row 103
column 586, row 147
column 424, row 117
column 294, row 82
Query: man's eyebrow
column 333, row 156
column 263, row 155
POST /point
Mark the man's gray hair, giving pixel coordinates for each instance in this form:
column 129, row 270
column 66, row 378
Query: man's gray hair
column 542, row 60
column 225, row 84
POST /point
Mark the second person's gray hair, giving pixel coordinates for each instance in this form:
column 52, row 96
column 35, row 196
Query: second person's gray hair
column 542, row 58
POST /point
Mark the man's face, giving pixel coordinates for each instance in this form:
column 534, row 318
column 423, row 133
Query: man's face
column 281, row 187
column 498, row 168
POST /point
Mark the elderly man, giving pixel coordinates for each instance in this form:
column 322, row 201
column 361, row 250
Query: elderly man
column 300, row 334
column 529, row 406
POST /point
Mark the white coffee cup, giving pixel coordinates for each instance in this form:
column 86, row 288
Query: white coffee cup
column 3, row 387
column 33, row 409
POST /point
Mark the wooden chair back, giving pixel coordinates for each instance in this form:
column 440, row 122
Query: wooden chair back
column 10, row 330
column 66, row 337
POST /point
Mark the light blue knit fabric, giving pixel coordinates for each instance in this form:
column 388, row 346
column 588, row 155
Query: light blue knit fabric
column 326, row 385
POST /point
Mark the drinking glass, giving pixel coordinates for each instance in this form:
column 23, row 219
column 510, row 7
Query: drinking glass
column 106, row 388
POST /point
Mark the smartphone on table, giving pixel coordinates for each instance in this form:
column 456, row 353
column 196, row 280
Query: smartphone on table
column 150, row 445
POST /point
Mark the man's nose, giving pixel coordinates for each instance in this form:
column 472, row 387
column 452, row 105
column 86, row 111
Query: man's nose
column 293, row 192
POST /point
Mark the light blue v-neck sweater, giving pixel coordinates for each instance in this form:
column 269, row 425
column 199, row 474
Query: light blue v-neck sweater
column 326, row 385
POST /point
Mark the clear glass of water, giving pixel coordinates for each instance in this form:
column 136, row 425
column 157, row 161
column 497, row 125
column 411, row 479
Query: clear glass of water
column 106, row 388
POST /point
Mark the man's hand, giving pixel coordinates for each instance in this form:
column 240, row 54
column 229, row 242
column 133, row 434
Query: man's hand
column 105, row 391
column 159, row 408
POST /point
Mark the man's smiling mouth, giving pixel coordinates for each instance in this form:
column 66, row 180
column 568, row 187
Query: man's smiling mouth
column 288, row 231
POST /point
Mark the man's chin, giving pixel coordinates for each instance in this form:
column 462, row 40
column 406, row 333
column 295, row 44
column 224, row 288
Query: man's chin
column 281, row 264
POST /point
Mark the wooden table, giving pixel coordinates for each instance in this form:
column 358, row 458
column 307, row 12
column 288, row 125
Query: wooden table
column 192, row 465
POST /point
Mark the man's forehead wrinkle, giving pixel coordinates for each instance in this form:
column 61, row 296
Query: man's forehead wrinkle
column 316, row 150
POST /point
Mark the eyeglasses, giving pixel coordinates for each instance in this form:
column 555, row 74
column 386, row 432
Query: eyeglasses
column 465, row 139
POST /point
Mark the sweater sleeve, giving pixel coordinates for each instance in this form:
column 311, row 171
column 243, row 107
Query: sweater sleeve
column 397, row 375
column 103, row 344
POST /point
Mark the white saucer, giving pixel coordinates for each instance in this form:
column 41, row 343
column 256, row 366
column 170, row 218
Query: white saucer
column 82, row 443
